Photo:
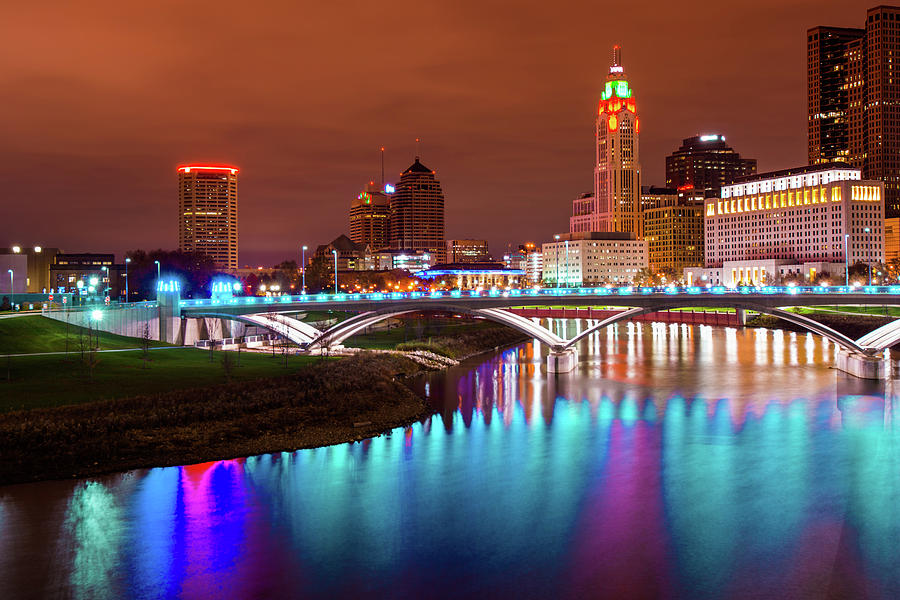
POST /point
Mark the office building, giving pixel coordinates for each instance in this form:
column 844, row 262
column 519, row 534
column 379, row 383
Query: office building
column 674, row 236
column 593, row 258
column 351, row 256
column 370, row 217
column 417, row 212
column 705, row 163
column 799, row 222
column 467, row 251
column 208, row 212
column 892, row 239
column 658, row 197
column 615, row 202
column 853, row 97
column 90, row 274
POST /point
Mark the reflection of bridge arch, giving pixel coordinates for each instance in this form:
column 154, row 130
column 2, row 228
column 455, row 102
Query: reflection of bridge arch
column 345, row 329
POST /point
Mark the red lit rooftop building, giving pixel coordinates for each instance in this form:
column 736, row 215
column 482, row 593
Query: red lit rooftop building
column 208, row 212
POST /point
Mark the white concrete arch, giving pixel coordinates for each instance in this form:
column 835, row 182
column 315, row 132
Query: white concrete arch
column 296, row 331
column 345, row 329
column 883, row 337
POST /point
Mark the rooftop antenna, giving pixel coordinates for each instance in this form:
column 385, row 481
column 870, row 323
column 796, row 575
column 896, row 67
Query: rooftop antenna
column 382, row 167
column 617, row 55
column 417, row 148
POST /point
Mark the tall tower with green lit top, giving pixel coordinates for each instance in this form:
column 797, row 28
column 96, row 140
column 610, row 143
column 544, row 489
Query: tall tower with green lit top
column 616, row 202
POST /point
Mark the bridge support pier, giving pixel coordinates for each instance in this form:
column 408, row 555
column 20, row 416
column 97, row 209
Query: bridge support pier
column 861, row 365
column 741, row 316
column 562, row 361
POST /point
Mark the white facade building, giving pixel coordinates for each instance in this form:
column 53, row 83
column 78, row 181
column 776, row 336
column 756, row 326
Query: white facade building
column 592, row 258
column 804, row 221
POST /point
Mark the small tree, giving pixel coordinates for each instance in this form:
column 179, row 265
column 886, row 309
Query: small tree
column 227, row 365
column 145, row 344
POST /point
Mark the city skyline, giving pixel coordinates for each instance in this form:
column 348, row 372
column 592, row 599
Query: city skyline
column 504, row 121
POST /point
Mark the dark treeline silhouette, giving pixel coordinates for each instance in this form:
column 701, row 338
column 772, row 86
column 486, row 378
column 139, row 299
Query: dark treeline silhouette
column 193, row 270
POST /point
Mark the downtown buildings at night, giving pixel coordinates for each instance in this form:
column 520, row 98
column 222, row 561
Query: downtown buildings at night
column 703, row 164
column 417, row 212
column 370, row 217
column 208, row 213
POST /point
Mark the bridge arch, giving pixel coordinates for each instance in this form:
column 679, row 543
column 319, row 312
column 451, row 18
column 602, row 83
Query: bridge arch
column 345, row 329
column 292, row 329
column 807, row 323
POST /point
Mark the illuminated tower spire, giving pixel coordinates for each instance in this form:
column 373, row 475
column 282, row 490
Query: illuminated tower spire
column 615, row 205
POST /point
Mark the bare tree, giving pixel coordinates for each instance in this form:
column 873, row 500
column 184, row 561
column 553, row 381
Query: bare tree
column 145, row 344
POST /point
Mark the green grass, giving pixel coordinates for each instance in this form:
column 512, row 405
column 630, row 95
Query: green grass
column 325, row 315
column 414, row 330
column 881, row 311
column 43, row 381
column 25, row 335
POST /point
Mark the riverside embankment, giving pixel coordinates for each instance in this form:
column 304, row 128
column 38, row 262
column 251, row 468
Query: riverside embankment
column 324, row 403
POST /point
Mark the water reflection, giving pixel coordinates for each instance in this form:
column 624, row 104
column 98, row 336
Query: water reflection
column 677, row 461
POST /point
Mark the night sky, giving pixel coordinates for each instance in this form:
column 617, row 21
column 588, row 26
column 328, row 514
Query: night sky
column 102, row 100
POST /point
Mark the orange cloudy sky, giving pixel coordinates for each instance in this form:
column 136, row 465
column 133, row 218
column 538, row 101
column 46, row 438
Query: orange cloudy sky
column 101, row 100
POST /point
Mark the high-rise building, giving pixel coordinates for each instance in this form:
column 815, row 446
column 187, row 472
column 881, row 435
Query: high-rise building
column 615, row 204
column 674, row 236
column 417, row 212
column 370, row 217
column 854, row 98
column 705, row 163
column 208, row 212
column 467, row 251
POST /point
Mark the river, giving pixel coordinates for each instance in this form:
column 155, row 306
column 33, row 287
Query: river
column 676, row 462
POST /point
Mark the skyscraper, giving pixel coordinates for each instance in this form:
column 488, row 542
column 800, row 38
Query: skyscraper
column 417, row 212
column 704, row 163
column 208, row 212
column 370, row 217
column 854, row 100
column 615, row 205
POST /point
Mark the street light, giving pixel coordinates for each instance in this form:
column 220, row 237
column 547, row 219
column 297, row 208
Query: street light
column 127, row 260
column 106, row 288
column 868, row 264
column 846, row 260
column 303, row 266
column 158, row 277
column 335, row 271
column 12, row 288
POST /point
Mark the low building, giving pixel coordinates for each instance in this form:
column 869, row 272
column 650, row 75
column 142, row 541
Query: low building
column 406, row 260
column 467, row 251
column 808, row 220
column 472, row 276
column 892, row 239
column 350, row 255
column 30, row 266
column 593, row 258
column 90, row 274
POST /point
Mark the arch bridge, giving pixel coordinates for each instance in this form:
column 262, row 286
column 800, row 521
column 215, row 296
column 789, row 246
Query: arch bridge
column 270, row 313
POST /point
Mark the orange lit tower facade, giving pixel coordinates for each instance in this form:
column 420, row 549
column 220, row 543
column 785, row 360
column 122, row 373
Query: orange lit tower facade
column 208, row 212
column 615, row 204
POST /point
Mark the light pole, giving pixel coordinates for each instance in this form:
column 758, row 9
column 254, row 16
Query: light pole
column 556, row 250
column 127, row 260
column 12, row 288
column 335, row 271
column 157, row 271
column 303, row 266
column 106, row 286
column 868, row 264
column 568, row 274
column 846, row 261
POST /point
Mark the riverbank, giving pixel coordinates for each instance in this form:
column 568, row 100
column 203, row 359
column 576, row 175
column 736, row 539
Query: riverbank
column 324, row 403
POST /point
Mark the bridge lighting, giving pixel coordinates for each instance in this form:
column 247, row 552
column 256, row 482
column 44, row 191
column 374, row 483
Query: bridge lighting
column 96, row 315
column 94, row 280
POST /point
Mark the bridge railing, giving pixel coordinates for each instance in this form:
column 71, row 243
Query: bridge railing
column 549, row 293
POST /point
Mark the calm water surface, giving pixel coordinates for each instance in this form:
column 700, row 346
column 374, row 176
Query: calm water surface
column 676, row 462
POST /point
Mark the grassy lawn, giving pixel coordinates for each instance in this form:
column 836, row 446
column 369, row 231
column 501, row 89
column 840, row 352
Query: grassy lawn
column 42, row 381
column 325, row 315
column 24, row 335
column 415, row 329
column 881, row 311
